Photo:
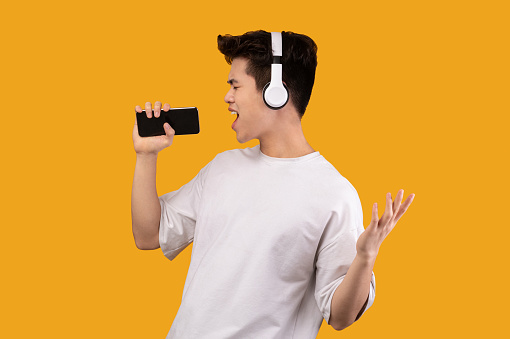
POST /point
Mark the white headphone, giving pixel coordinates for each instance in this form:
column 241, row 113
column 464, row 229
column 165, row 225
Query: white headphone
column 275, row 92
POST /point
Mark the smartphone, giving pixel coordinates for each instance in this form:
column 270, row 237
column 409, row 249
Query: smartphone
column 184, row 120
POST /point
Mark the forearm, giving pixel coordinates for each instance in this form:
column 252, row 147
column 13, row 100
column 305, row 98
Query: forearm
column 145, row 207
column 352, row 293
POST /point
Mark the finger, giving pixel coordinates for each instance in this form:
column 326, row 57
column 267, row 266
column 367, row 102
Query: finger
column 398, row 201
column 375, row 217
column 166, row 107
column 375, row 214
column 404, row 207
column 148, row 109
column 388, row 213
column 389, row 204
column 138, row 109
column 157, row 108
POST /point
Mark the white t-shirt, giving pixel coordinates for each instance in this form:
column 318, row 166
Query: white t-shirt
column 272, row 240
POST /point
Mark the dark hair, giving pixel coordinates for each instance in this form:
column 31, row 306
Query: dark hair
column 299, row 60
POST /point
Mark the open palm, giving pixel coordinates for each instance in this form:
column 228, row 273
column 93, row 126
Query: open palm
column 369, row 241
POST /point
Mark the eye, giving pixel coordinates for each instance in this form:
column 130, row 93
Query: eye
column 236, row 87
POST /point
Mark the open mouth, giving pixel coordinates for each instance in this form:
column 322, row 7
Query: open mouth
column 237, row 117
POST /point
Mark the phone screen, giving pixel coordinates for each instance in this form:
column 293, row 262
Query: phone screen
column 184, row 120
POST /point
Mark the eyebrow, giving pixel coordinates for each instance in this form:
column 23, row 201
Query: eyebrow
column 231, row 81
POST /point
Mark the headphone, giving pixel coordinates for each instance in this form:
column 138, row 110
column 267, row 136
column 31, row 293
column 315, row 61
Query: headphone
column 275, row 93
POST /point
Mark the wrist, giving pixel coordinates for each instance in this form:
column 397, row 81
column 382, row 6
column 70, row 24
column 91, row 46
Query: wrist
column 142, row 156
column 366, row 258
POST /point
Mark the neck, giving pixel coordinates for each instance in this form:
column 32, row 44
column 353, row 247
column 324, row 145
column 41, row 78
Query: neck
column 288, row 141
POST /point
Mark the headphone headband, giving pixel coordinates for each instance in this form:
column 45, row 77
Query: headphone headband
column 275, row 93
column 276, row 42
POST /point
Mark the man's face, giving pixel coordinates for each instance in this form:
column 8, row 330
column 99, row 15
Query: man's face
column 254, row 119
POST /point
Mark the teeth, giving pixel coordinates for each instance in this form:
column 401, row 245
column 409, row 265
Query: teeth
column 234, row 113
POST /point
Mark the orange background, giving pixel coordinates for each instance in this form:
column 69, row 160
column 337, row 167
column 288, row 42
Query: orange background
column 410, row 95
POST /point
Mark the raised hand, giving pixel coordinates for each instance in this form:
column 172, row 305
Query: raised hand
column 152, row 145
column 369, row 241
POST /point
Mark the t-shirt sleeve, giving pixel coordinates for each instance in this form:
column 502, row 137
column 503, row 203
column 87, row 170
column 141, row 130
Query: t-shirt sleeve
column 336, row 252
column 179, row 211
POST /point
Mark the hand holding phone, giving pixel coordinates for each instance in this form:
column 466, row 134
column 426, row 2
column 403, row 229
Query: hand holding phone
column 157, row 143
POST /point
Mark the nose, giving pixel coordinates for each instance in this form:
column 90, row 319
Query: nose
column 229, row 97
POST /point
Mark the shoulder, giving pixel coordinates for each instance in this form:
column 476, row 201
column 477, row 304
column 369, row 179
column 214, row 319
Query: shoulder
column 334, row 182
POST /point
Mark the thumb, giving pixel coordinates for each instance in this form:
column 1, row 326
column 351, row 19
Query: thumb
column 168, row 129
column 375, row 215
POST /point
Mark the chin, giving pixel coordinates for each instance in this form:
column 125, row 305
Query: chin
column 242, row 140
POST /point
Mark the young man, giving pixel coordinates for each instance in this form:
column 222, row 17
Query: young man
column 277, row 231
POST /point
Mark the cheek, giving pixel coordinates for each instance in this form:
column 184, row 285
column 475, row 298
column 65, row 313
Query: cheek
column 257, row 103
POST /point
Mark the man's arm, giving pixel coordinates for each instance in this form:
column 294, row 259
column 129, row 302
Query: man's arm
column 145, row 207
column 350, row 296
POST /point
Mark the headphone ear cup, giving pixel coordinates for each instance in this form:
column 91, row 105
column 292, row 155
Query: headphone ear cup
column 265, row 94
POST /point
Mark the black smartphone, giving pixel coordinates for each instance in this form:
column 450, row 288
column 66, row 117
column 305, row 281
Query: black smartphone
column 184, row 120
